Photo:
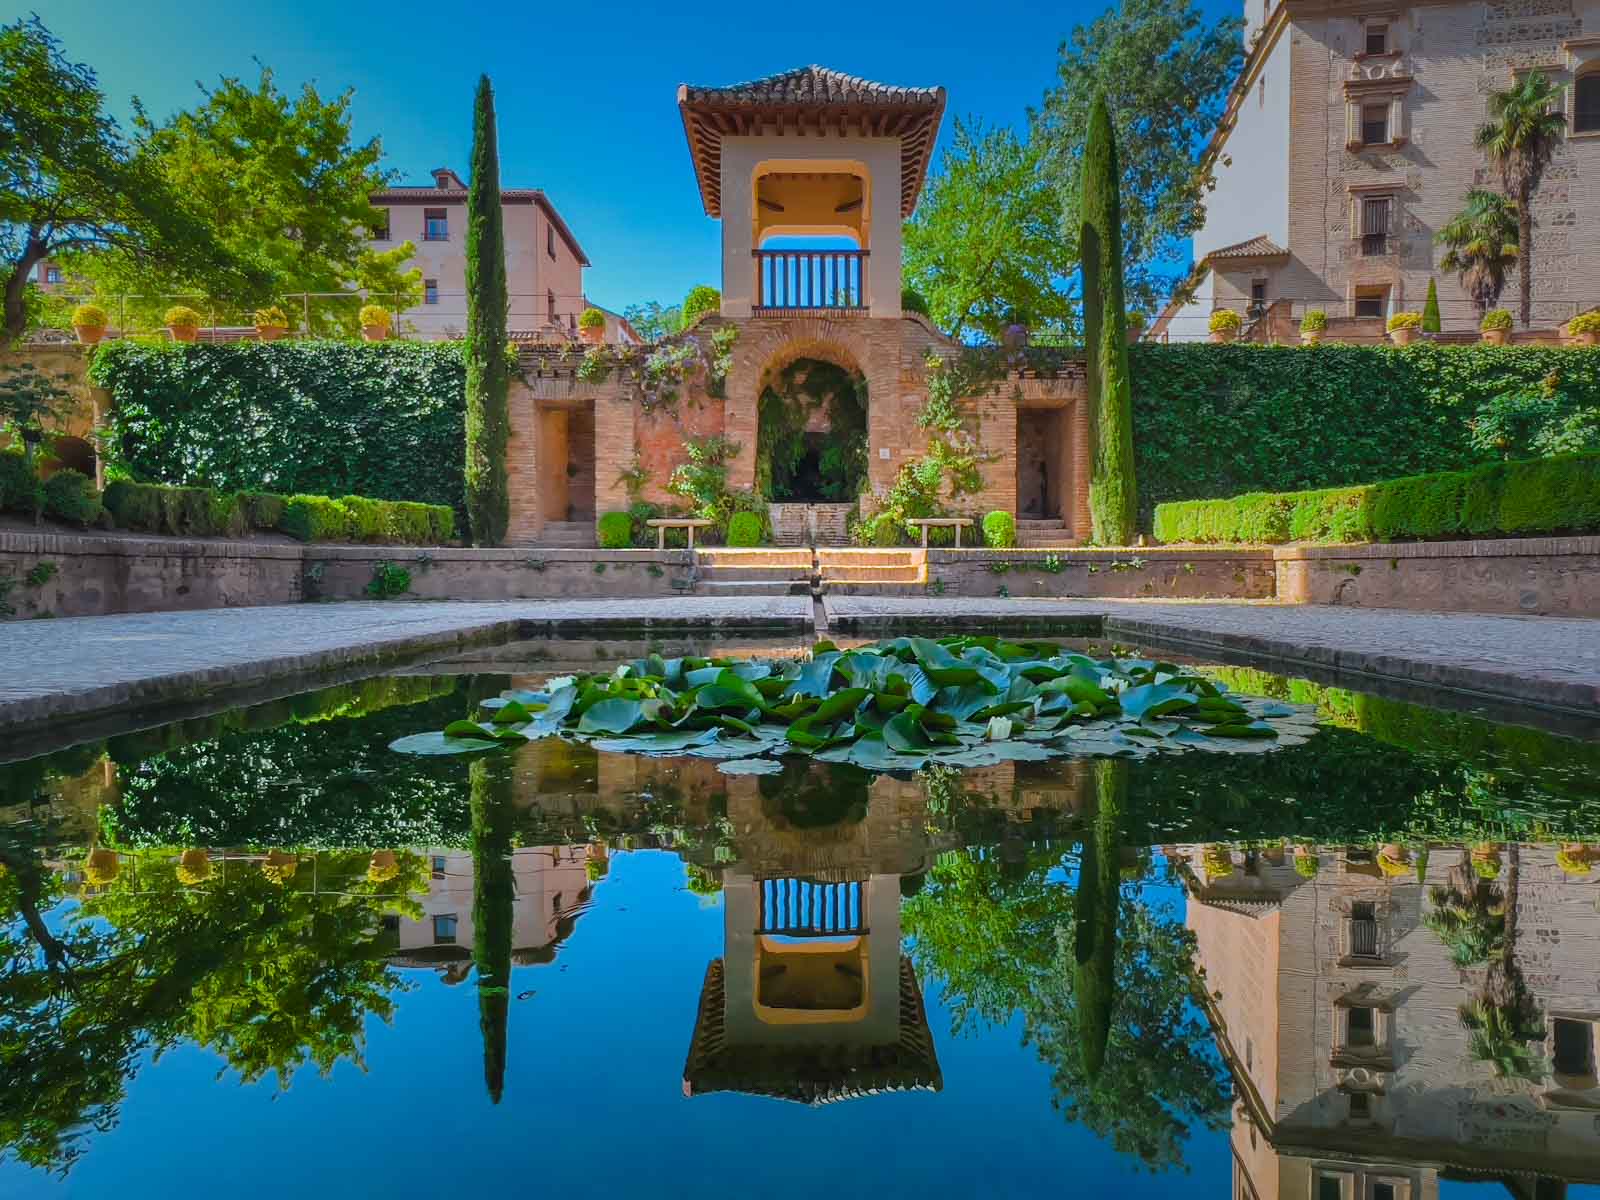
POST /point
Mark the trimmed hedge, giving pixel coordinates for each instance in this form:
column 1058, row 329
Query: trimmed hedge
column 1539, row 496
column 201, row 512
column 19, row 487
column 70, row 496
column 1219, row 420
column 308, row 417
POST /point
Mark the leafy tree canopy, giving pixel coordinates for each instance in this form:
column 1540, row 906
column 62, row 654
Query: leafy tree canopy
column 654, row 321
column 1166, row 74
column 286, row 189
column 70, row 183
column 985, row 246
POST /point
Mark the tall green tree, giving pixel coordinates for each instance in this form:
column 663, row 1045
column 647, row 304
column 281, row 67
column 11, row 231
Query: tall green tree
column 1165, row 72
column 1480, row 245
column 1525, row 125
column 654, row 321
column 1098, row 904
column 1113, row 494
column 70, row 182
column 986, row 239
column 1430, row 308
column 488, row 370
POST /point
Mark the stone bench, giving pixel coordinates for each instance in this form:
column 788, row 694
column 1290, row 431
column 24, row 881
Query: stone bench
column 662, row 524
column 956, row 523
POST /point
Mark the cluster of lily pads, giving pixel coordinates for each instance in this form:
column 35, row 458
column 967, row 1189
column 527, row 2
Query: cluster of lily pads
column 896, row 705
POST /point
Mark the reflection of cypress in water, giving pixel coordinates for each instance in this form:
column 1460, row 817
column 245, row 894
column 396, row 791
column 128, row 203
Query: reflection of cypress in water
column 493, row 891
column 1095, row 920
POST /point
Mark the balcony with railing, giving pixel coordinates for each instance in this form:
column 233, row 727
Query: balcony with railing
column 834, row 281
column 804, row 908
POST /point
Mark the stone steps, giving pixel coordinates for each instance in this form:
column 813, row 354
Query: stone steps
column 1044, row 533
column 576, row 535
column 752, row 587
column 829, row 558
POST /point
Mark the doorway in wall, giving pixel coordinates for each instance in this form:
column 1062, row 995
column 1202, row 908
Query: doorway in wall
column 1039, row 463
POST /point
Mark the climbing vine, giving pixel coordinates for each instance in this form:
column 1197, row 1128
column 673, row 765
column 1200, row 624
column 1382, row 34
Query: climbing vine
column 790, row 464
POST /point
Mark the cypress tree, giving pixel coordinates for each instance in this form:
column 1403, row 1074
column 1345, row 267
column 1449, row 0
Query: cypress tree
column 1430, row 310
column 1113, row 495
column 488, row 372
column 493, row 911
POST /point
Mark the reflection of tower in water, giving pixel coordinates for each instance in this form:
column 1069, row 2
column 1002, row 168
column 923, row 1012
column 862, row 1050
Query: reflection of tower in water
column 812, row 1000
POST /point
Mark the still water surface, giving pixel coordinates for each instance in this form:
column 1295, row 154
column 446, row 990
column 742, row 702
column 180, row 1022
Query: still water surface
column 255, row 951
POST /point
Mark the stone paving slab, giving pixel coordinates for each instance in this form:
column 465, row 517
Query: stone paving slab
column 70, row 667
column 1549, row 661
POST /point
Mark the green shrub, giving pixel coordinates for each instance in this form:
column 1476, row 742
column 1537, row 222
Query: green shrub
column 999, row 530
column 1315, row 321
column 135, row 506
column 367, row 518
column 1538, row 496
column 1405, row 320
column 701, row 300
column 179, row 511
column 591, row 318
column 317, row 519
column 70, row 496
column 271, row 317
column 1495, row 318
column 89, row 316
column 374, row 315
column 388, row 580
column 614, row 531
column 911, row 301
column 19, row 486
column 1225, row 320
column 744, row 529
column 1585, row 322
column 262, row 510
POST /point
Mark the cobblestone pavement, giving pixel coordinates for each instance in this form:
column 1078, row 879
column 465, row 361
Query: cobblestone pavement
column 1544, row 660
column 79, row 665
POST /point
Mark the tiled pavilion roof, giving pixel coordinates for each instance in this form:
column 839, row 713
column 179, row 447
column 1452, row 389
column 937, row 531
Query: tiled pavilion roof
column 1260, row 246
column 810, row 100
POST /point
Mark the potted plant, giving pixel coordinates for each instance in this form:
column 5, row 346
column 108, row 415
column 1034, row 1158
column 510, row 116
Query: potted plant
column 592, row 326
column 1574, row 859
column 194, row 866
column 1496, row 327
column 1136, row 325
column 1404, row 327
column 279, row 866
column 101, row 867
column 89, row 323
column 374, row 322
column 271, row 324
column 1585, row 328
column 1225, row 325
column 183, row 323
column 383, row 866
column 1312, row 326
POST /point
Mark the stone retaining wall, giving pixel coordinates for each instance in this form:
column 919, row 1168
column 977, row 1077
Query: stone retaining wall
column 1234, row 573
column 87, row 575
column 1544, row 576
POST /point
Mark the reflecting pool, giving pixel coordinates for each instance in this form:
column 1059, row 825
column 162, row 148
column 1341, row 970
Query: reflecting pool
column 256, row 950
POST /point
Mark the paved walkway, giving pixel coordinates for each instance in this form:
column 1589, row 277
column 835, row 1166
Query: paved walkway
column 1553, row 661
column 81, row 665
column 95, row 665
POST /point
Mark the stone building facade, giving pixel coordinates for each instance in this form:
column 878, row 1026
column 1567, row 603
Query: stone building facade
column 1348, row 143
column 796, row 166
column 1339, row 1012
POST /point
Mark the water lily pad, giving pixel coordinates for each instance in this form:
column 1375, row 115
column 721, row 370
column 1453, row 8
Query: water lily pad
column 438, row 743
column 751, row 766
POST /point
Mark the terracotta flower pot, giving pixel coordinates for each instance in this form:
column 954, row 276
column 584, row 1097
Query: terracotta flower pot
column 1224, row 336
column 1402, row 337
column 374, row 333
column 1497, row 337
column 1589, row 338
column 271, row 333
column 184, row 333
column 592, row 337
column 1310, row 337
column 89, row 335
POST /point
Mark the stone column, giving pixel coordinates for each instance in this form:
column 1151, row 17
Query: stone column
column 1079, row 455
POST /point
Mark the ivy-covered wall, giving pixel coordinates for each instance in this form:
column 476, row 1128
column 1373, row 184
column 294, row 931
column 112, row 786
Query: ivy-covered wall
column 383, row 420
column 1218, row 420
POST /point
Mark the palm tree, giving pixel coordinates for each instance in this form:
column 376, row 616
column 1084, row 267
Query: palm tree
column 1481, row 245
column 1525, row 124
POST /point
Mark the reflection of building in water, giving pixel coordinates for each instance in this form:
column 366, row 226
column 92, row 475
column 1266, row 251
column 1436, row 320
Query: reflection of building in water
column 812, row 1000
column 1340, row 1010
column 552, row 888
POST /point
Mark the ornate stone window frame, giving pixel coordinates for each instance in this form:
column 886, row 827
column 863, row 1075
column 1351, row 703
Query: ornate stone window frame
column 1581, row 57
column 1377, row 80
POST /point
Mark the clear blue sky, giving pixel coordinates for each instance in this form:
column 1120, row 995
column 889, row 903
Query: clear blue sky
column 586, row 92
